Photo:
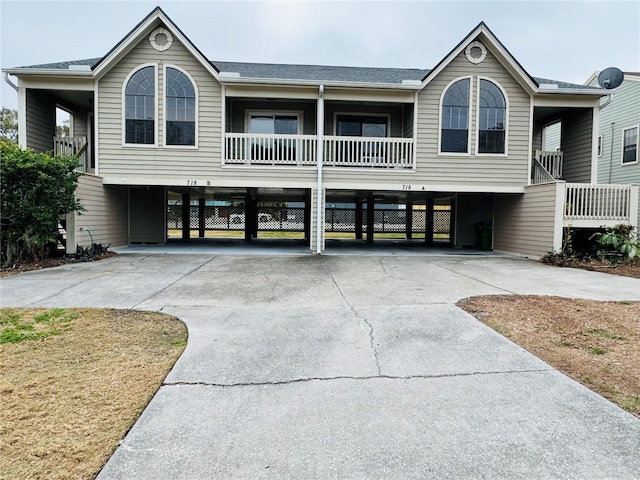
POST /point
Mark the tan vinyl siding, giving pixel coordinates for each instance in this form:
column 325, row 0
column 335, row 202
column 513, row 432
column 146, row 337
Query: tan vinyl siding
column 147, row 210
column 80, row 127
column 525, row 223
column 175, row 166
column 41, row 121
column 484, row 170
column 106, row 214
column 576, row 145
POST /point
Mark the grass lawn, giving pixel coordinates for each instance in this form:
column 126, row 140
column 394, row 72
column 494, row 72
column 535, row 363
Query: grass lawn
column 73, row 382
column 595, row 343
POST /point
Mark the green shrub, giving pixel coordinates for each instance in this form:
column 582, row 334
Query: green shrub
column 37, row 190
column 618, row 243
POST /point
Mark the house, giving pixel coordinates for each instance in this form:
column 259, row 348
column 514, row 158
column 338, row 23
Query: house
column 458, row 146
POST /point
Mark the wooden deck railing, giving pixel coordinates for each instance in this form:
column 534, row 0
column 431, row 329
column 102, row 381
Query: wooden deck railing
column 73, row 147
column 551, row 161
column 584, row 201
column 259, row 149
column 540, row 174
column 388, row 152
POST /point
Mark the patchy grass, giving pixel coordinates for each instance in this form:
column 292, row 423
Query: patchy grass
column 596, row 343
column 72, row 383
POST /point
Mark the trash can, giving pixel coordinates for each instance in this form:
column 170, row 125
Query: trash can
column 484, row 236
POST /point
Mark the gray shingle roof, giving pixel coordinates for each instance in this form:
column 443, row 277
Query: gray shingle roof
column 321, row 72
column 564, row 84
column 309, row 72
column 63, row 65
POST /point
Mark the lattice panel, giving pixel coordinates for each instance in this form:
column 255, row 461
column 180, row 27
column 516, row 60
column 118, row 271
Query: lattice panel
column 340, row 220
column 441, row 221
column 280, row 219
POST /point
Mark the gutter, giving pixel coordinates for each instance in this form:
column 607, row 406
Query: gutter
column 226, row 78
column 570, row 91
column 48, row 72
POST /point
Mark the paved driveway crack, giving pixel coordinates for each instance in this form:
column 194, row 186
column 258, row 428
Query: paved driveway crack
column 357, row 315
column 357, row 378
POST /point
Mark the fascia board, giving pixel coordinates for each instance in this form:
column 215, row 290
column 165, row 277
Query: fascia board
column 49, row 72
column 306, row 83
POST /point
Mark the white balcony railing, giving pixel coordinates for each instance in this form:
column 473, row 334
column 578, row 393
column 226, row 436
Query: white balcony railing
column 551, row 161
column 585, row 201
column 374, row 152
column 73, row 147
column 540, row 174
column 259, row 149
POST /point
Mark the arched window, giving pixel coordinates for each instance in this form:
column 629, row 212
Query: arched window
column 140, row 94
column 491, row 119
column 455, row 118
column 181, row 109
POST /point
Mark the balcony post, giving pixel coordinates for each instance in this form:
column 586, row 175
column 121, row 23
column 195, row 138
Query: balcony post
column 201, row 219
column 186, row 216
column 358, row 222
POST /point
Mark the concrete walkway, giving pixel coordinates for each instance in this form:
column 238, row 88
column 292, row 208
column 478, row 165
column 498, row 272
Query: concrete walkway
column 309, row 367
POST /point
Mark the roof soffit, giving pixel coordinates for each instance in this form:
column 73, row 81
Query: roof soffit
column 155, row 19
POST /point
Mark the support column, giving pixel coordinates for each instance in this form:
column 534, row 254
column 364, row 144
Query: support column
column 409, row 220
column 250, row 206
column 370, row 218
column 452, row 223
column 428, row 232
column 70, row 228
column 358, row 219
column 201, row 210
column 307, row 216
column 186, row 216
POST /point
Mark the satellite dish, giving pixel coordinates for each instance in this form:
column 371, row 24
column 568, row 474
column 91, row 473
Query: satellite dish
column 610, row 78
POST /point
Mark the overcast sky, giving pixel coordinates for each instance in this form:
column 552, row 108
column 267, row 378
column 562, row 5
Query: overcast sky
column 558, row 40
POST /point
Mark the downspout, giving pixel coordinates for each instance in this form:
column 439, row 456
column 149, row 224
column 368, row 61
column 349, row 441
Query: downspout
column 8, row 80
column 319, row 155
column 611, row 153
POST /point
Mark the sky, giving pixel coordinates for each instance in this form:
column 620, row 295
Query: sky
column 558, row 40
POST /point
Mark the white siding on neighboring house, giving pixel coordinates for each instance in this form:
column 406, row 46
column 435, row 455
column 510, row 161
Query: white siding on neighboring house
column 624, row 110
column 551, row 136
column 526, row 224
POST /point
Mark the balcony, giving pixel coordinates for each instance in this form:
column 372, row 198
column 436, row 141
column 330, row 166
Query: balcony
column 301, row 150
column 547, row 166
column 594, row 205
column 373, row 152
column 262, row 149
column 73, row 147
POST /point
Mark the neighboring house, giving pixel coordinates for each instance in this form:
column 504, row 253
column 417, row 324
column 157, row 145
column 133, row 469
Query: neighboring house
column 155, row 118
column 619, row 118
column 618, row 160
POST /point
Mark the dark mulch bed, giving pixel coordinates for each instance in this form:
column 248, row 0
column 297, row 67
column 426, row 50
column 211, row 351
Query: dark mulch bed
column 50, row 262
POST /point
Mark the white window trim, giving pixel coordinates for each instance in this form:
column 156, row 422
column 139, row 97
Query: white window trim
column 298, row 113
column 469, row 127
column 635, row 162
column 164, row 112
column 477, row 117
column 361, row 114
column 124, row 106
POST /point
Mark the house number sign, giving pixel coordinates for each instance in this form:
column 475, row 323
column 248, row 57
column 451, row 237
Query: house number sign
column 412, row 187
column 198, row 183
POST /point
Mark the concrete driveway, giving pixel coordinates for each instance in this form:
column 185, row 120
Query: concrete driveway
column 309, row 367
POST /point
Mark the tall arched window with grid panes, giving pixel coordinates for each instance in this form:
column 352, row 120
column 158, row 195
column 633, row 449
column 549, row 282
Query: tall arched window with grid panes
column 180, row 108
column 454, row 134
column 491, row 118
column 140, row 98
